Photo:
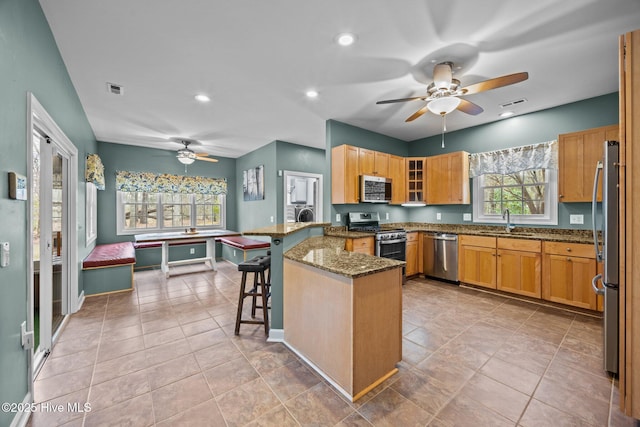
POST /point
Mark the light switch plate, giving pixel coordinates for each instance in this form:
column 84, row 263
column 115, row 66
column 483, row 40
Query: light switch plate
column 466, row 217
column 338, row 218
column 438, row 216
column 576, row 219
column 387, row 215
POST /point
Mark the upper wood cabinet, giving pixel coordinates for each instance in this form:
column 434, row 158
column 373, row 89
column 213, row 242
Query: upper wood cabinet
column 344, row 174
column 448, row 179
column 416, row 179
column 373, row 162
column 578, row 154
column 397, row 174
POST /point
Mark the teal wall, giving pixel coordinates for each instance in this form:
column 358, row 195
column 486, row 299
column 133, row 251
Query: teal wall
column 527, row 129
column 296, row 158
column 531, row 128
column 338, row 133
column 30, row 62
column 125, row 157
column 254, row 214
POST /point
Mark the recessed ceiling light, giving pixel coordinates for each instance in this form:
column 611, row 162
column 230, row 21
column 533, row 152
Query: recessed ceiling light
column 345, row 39
column 312, row 93
column 202, row 98
column 506, row 114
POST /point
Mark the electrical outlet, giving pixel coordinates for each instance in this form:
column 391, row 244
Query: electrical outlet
column 576, row 219
column 338, row 218
column 466, row 217
column 234, row 252
column 271, row 219
column 387, row 215
column 438, row 216
column 192, row 251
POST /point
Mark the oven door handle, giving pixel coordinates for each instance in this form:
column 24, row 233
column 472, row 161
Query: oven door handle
column 389, row 242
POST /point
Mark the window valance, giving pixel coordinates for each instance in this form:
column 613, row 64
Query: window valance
column 516, row 159
column 148, row 182
column 94, row 171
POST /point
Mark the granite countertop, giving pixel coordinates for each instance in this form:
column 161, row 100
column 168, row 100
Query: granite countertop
column 528, row 233
column 327, row 253
column 282, row 230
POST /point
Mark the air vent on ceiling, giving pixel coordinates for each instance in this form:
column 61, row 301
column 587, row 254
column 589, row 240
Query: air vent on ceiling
column 115, row 89
column 512, row 103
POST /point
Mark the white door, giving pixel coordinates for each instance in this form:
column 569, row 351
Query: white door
column 50, row 227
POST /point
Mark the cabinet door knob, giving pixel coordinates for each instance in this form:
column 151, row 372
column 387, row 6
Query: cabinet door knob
column 560, row 196
column 568, row 249
column 568, row 259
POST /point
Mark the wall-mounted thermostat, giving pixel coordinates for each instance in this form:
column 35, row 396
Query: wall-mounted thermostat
column 17, row 186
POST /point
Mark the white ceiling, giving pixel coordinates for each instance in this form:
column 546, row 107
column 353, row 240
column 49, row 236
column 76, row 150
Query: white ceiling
column 256, row 59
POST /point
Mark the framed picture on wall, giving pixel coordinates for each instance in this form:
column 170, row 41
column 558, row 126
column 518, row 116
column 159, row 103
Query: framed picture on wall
column 253, row 183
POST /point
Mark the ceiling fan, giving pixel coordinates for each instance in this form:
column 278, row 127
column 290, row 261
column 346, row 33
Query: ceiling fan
column 443, row 94
column 187, row 156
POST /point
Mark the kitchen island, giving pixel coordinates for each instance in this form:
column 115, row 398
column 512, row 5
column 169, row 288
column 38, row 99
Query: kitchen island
column 343, row 313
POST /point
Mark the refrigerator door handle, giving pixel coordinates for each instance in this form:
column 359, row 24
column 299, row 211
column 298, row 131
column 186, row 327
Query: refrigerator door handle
column 594, row 204
column 594, row 284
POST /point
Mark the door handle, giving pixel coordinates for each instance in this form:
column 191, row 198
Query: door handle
column 594, row 281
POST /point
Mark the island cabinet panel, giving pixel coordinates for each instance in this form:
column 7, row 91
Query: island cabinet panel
column 344, row 175
column 364, row 245
column 519, row 267
column 578, row 154
column 477, row 260
column 567, row 272
column 397, row 174
column 448, row 179
column 349, row 329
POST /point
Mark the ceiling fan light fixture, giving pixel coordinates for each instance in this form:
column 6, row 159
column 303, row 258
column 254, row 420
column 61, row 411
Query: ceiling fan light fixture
column 186, row 156
column 442, row 75
column 445, row 105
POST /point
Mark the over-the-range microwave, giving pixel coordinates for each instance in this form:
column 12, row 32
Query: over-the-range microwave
column 375, row 189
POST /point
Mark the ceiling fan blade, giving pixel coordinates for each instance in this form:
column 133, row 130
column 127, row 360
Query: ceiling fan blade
column 390, row 101
column 202, row 155
column 469, row 107
column 207, row 159
column 495, row 83
column 417, row 114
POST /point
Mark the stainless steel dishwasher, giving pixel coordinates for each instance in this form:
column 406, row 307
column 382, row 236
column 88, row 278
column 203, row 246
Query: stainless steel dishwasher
column 441, row 255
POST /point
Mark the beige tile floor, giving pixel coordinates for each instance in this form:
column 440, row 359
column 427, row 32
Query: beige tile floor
column 166, row 355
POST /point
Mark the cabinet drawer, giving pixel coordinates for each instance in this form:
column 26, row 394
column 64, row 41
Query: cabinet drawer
column 363, row 244
column 524, row 245
column 483, row 241
column 574, row 249
column 412, row 236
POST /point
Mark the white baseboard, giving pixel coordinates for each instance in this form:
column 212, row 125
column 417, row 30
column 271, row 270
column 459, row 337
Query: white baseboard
column 22, row 417
column 79, row 302
column 276, row 335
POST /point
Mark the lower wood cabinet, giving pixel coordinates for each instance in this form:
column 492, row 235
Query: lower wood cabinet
column 567, row 272
column 413, row 255
column 365, row 245
column 519, row 267
column 477, row 260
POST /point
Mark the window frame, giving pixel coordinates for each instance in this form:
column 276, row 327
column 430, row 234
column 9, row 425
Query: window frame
column 550, row 217
column 120, row 217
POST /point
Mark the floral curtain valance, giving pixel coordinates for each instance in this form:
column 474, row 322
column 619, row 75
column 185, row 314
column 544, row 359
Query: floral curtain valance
column 511, row 160
column 148, row 182
column 94, row 171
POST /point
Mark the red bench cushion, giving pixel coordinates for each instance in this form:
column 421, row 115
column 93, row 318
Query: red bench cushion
column 110, row 254
column 244, row 243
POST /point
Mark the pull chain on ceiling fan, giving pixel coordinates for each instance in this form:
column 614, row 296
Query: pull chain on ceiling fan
column 444, row 93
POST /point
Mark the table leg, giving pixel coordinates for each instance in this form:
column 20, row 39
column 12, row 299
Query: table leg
column 165, row 258
column 211, row 252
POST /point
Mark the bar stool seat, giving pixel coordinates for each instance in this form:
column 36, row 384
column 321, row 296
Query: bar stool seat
column 261, row 288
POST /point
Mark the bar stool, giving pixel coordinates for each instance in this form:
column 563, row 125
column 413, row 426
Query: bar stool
column 261, row 288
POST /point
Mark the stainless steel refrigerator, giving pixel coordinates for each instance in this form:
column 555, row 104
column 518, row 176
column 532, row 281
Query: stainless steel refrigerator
column 605, row 240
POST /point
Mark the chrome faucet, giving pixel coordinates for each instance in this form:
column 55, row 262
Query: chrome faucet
column 507, row 215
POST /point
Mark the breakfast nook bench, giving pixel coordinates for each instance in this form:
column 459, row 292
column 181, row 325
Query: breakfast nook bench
column 109, row 268
column 231, row 244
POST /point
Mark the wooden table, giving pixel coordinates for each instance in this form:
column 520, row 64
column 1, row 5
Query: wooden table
column 209, row 236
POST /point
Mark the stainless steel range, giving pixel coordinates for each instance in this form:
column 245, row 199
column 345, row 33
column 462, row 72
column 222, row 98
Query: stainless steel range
column 389, row 243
